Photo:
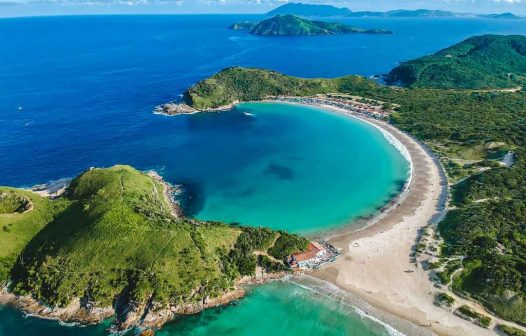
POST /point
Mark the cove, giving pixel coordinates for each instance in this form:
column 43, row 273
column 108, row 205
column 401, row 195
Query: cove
column 291, row 167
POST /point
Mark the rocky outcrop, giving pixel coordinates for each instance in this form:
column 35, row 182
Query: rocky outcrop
column 76, row 311
column 174, row 109
column 151, row 315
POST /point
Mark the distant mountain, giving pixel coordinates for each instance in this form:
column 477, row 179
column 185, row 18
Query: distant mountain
column 327, row 10
column 310, row 10
column 407, row 13
column 430, row 13
column 424, row 13
column 243, row 25
column 487, row 61
column 500, row 16
column 292, row 25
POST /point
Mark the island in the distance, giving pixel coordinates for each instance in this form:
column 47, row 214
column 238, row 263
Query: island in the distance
column 115, row 244
column 292, row 25
column 313, row 10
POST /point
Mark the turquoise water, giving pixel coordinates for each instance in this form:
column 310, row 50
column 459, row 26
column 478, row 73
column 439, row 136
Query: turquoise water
column 294, row 167
column 277, row 308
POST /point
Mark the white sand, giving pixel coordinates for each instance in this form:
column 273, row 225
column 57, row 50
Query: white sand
column 374, row 260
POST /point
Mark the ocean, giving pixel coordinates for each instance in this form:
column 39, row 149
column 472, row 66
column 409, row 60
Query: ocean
column 77, row 92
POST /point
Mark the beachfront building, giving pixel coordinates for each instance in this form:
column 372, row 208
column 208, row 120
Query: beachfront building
column 314, row 255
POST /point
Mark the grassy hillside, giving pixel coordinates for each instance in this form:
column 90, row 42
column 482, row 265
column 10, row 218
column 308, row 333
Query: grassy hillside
column 480, row 62
column 242, row 84
column 469, row 131
column 113, row 235
column 291, row 25
column 22, row 215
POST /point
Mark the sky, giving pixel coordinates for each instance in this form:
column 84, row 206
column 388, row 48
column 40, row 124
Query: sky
column 9, row 8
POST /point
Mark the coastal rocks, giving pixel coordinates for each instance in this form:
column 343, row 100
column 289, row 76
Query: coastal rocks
column 169, row 192
column 74, row 312
column 154, row 315
column 174, row 109
column 149, row 316
column 147, row 332
column 242, row 25
column 52, row 189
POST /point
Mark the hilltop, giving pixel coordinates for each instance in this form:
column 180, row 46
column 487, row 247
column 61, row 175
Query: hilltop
column 480, row 62
column 292, row 25
column 310, row 10
column 114, row 244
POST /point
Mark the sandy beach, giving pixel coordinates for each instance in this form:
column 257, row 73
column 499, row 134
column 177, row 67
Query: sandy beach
column 376, row 263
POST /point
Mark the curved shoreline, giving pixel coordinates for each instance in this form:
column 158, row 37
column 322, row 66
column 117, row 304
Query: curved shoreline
column 376, row 263
column 392, row 285
column 393, row 202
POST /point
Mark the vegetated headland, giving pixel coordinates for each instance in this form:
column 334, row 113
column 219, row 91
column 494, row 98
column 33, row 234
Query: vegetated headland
column 114, row 243
column 292, row 25
column 473, row 253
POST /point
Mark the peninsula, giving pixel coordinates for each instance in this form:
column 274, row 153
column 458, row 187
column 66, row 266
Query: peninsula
column 115, row 244
column 459, row 272
column 292, row 25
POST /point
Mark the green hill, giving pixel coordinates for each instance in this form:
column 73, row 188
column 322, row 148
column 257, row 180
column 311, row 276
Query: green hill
column 310, row 10
column 20, row 223
column 244, row 84
column 112, row 240
column 292, row 25
column 480, row 62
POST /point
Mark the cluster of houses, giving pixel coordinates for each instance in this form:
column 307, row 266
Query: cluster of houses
column 316, row 255
column 351, row 105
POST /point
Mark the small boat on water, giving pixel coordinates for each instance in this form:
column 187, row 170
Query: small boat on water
column 248, row 114
column 20, row 107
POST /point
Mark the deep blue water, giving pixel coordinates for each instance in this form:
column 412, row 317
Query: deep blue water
column 88, row 85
